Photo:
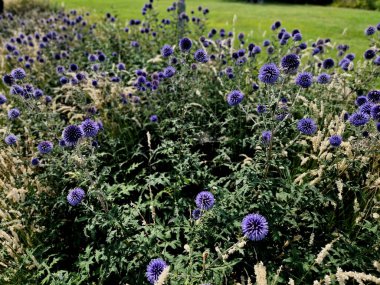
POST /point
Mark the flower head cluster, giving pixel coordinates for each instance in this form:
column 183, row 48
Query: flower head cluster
column 45, row 147
column 269, row 73
column 166, row 51
column 235, row 97
column 185, row 44
column 75, row 196
column 307, row 126
column 304, row 79
column 10, row 139
column 205, row 200
column 335, row 140
column 71, row 135
column 290, row 63
column 201, row 56
column 359, row 119
column 154, row 269
column 255, row 227
column 89, row 128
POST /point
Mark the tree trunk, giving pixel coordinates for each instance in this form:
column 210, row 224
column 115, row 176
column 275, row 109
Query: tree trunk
column 181, row 21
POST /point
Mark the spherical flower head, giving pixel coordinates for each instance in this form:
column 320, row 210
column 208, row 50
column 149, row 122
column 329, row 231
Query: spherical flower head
column 303, row 46
column 73, row 67
column 63, row 80
column 13, row 114
column 350, row 56
column 378, row 126
column 359, row 119
column 256, row 50
column 328, row 63
column 235, row 97
column 18, row 73
column 304, row 79
column 8, row 80
column 335, row 140
column 269, row 73
column 166, row 51
column 45, row 147
column 290, row 63
column 196, row 214
column 10, row 139
column 92, row 57
column 255, row 227
column 297, row 37
column 261, row 109
column 307, row 126
column 323, row 78
column 38, row 93
column 366, row 108
column 71, row 135
column 169, row 71
column 153, row 118
column 375, row 112
column 266, row 137
column 154, row 269
column 361, row 100
column 3, row 99
column 89, row 128
column 185, row 44
column 374, row 96
column 369, row 54
column 205, row 200
column 376, row 61
column 201, row 56
column 35, row 161
column 75, row 196
column 370, row 30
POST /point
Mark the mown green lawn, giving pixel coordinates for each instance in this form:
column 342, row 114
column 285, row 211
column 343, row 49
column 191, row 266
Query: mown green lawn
column 341, row 25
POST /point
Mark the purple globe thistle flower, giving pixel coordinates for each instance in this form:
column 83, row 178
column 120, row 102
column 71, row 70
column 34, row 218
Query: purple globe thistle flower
column 335, row 140
column 270, row 50
column 255, row 227
column 256, row 50
column 359, row 119
column 121, row 66
column 344, row 64
column 13, row 113
column 8, row 80
column 277, row 24
column 63, row 80
column 205, row 200
column 95, row 67
column 350, row 56
column 75, row 196
column 261, row 109
column 18, row 73
column 196, row 214
column 153, row 118
column 17, row 90
column 201, row 56
column 374, row 96
column 266, row 137
column 304, row 79
column 370, row 30
column 38, row 93
column 297, row 37
column 166, row 51
column 366, row 108
column 369, row 54
column 48, row 99
column 303, row 46
column 235, row 97
column 323, row 78
column 154, row 269
column 71, row 135
column 185, row 44
column 101, row 57
column 328, row 63
column 269, row 73
column 45, row 147
column 3, row 99
column 266, row 43
column 11, row 139
column 35, row 161
column 307, row 126
column 169, row 71
column 376, row 61
column 378, row 126
column 92, row 57
column 73, row 67
column 74, row 81
column 375, row 112
column 361, row 100
column 290, row 63
column 89, row 128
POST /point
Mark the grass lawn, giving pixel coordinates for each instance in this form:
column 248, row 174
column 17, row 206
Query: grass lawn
column 339, row 24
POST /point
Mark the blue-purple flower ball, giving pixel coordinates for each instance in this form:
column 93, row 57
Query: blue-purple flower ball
column 361, row 100
column 290, row 63
column 269, row 73
column 154, row 269
column 45, row 147
column 255, row 227
column 307, row 126
column 304, row 79
column 169, row 71
column 71, row 135
column 185, row 44
column 75, row 196
column 201, row 56
column 266, row 137
column 3, row 99
column 35, row 161
column 166, row 51
column 196, row 214
column 359, row 119
column 328, row 63
column 10, row 139
column 18, row 73
column 375, row 112
column 235, row 97
column 205, row 200
column 374, row 96
column 89, row 128
column 335, row 140
column 370, row 30
column 13, row 113
column 153, row 118
column 323, row 78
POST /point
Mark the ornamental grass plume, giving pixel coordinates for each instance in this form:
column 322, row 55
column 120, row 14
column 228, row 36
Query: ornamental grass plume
column 261, row 273
column 324, row 252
